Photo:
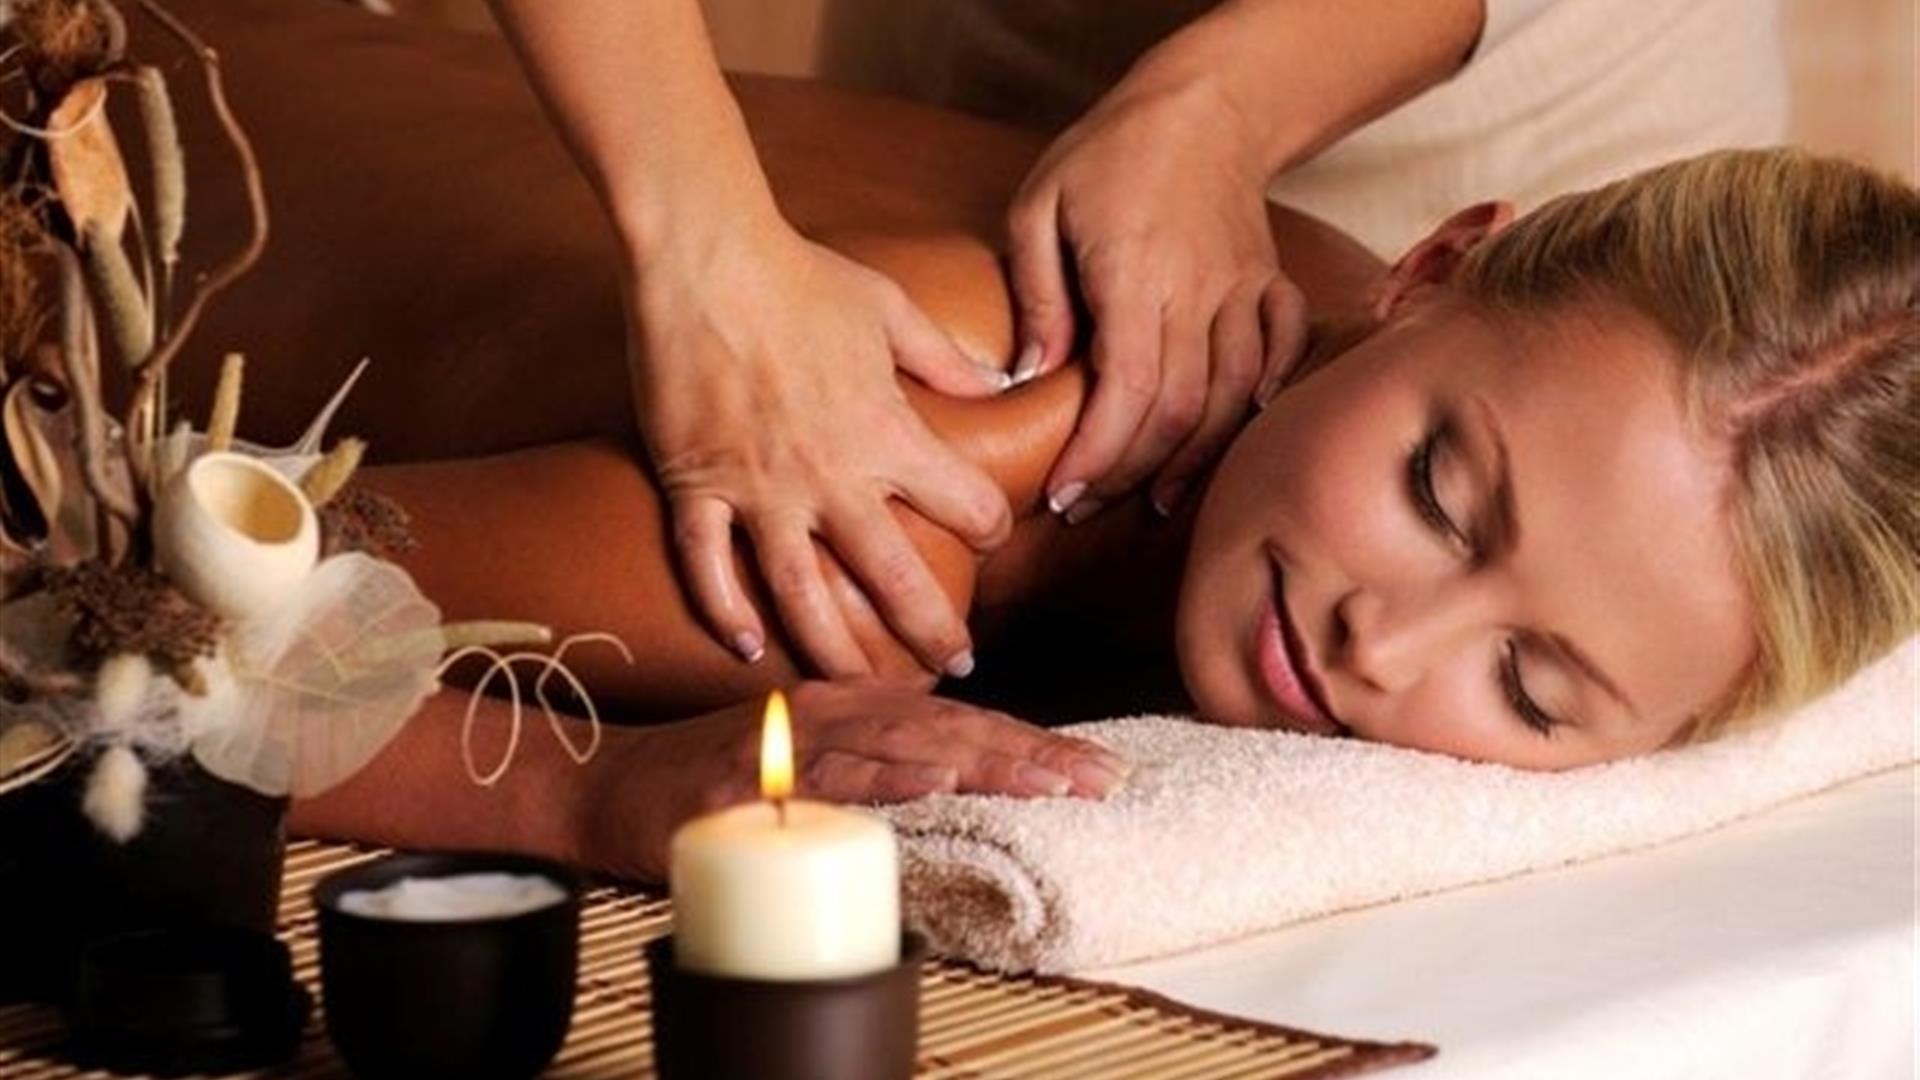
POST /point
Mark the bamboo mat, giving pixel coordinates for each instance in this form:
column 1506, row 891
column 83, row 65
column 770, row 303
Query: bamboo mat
column 973, row 1024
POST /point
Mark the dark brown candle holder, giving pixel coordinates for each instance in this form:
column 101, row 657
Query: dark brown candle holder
column 717, row 1027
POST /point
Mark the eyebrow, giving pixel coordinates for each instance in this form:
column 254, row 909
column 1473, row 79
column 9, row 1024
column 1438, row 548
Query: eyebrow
column 1504, row 525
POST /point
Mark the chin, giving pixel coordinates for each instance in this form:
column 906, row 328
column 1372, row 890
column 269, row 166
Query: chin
column 1209, row 653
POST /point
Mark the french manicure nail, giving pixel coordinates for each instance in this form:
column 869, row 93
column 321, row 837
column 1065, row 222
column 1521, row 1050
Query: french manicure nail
column 1082, row 509
column 961, row 665
column 994, row 377
column 1029, row 363
column 749, row 646
column 1040, row 781
column 1065, row 496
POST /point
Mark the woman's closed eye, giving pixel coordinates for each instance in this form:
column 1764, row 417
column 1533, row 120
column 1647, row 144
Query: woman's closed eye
column 1426, row 498
column 1421, row 466
column 1515, row 690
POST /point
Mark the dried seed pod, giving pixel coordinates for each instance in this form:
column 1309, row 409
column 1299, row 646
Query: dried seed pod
column 168, row 162
column 85, row 159
column 118, row 293
column 325, row 479
column 226, row 405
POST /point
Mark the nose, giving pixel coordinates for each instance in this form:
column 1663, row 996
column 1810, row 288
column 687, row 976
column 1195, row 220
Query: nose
column 1390, row 641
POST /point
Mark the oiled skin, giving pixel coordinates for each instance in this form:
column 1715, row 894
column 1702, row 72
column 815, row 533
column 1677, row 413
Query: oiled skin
column 424, row 214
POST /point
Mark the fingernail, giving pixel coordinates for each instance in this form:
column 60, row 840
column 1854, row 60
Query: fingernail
column 1029, row 363
column 1113, row 761
column 1065, row 496
column 936, row 777
column 749, row 646
column 961, row 665
column 994, row 377
column 1038, row 781
column 1093, row 776
column 1164, row 502
column 1264, row 394
column 1083, row 509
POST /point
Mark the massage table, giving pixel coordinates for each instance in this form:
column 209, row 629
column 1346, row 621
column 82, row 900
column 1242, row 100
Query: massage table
column 1780, row 947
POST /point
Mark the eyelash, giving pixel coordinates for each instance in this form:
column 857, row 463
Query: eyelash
column 1420, row 479
column 1530, row 712
column 1420, row 475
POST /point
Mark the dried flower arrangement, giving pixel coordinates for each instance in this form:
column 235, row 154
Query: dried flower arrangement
column 167, row 592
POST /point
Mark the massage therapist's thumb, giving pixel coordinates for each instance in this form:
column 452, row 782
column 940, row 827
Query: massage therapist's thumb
column 926, row 352
column 1043, row 315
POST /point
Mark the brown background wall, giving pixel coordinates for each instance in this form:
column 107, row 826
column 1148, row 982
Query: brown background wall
column 1853, row 63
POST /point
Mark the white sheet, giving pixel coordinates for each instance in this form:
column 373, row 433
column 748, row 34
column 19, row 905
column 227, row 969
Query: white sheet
column 1780, row 947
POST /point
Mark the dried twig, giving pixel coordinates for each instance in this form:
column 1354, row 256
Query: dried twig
column 205, row 286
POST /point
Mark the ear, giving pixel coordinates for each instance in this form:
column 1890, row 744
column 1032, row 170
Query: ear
column 1433, row 260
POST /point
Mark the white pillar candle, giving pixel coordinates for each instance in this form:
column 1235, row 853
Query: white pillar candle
column 785, row 889
column 815, row 898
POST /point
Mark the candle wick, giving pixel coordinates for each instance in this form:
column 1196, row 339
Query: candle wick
column 780, row 808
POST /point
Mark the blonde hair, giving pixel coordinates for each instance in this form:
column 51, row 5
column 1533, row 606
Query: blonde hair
column 1790, row 286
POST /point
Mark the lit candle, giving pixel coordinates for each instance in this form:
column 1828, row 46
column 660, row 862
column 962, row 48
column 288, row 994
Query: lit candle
column 785, row 888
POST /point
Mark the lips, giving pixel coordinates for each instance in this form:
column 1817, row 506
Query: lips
column 1281, row 659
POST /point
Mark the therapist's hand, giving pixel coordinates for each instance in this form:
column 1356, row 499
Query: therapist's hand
column 764, row 381
column 854, row 742
column 1154, row 205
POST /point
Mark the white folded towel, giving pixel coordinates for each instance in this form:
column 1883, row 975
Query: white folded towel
column 1223, row 832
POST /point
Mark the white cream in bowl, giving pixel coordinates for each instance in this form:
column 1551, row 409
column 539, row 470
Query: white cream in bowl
column 454, row 897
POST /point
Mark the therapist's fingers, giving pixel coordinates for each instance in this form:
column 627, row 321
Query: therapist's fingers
column 1042, row 296
column 1126, row 363
column 951, row 491
column 784, row 545
column 703, row 541
column 1283, row 327
column 1176, row 411
column 1234, row 368
column 877, row 552
column 929, row 353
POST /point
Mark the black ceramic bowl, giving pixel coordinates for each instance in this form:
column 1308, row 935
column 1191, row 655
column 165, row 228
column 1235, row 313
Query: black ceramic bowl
column 718, row 1027
column 466, row 998
column 183, row 1000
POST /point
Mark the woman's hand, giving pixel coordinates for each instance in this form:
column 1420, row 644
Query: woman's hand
column 854, row 742
column 767, row 400
column 1155, row 204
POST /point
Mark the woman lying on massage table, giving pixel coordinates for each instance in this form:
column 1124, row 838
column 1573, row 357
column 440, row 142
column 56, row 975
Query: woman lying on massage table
column 1632, row 469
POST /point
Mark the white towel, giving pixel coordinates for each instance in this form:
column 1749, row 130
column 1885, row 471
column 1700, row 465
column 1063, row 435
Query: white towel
column 1222, row 832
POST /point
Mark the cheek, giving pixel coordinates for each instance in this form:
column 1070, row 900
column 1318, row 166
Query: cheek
column 1459, row 711
column 1336, row 477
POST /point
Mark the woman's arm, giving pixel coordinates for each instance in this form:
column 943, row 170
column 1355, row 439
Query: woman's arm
column 574, row 536
column 616, row 811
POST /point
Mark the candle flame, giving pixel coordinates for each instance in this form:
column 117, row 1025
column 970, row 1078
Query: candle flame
column 776, row 749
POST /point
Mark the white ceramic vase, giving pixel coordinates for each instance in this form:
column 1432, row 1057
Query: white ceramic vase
column 235, row 536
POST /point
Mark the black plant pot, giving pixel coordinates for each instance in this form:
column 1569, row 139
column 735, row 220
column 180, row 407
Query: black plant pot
column 209, row 856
